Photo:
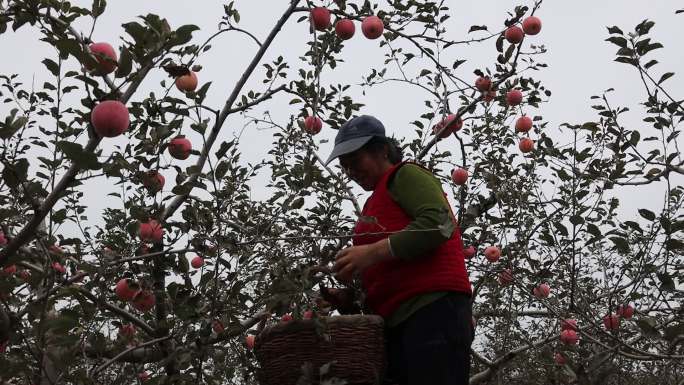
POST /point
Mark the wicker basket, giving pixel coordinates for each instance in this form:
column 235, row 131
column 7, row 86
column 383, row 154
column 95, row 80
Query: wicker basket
column 355, row 344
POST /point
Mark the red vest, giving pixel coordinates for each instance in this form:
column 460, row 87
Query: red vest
column 389, row 283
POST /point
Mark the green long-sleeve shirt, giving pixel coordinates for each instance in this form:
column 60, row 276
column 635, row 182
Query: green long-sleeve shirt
column 420, row 195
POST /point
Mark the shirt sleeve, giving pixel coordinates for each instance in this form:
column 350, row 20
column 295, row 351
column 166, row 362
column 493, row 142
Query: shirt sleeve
column 420, row 195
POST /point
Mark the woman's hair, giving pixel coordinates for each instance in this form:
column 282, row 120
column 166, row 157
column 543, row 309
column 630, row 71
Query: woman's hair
column 377, row 146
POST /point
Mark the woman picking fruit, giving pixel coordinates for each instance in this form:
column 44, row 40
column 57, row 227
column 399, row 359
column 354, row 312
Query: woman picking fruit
column 408, row 253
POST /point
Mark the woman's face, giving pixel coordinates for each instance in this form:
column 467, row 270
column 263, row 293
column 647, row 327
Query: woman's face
column 364, row 168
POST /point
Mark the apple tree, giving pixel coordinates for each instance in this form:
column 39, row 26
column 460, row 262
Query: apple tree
column 183, row 264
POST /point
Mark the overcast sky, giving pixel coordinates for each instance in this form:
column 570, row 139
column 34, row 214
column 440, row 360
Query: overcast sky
column 580, row 61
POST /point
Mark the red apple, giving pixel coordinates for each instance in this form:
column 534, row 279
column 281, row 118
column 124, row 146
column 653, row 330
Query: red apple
column 56, row 250
column 625, row 311
column 489, row 96
column 106, row 58
column 459, row 176
column 372, row 27
column 286, row 318
column 541, row 291
column 469, row 252
column 559, row 358
column 308, row 314
column 9, row 270
column 483, row 83
column 611, row 322
column 492, row 253
column 126, row 289
column 25, row 275
column 144, row 301
column 569, row 337
column 452, row 124
column 514, row 34
column 320, row 18
column 127, row 331
column 526, row 145
column 313, row 125
column 153, row 181
column 514, row 97
column 58, row 268
column 179, row 147
column 197, row 262
column 110, row 118
column 187, row 82
column 506, row 277
column 531, row 25
column 569, row 324
column 143, row 376
column 249, row 341
column 345, row 29
column 151, row 231
column 3, row 240
column 523, row 124
column 217, row 326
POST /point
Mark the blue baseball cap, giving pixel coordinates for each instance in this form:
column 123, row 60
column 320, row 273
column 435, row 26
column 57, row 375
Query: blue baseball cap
column 354, row 134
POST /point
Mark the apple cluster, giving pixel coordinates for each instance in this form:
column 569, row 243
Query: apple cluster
column 372, row 26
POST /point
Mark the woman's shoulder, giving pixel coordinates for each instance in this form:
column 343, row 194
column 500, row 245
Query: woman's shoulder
column 409, row 171
column 412, row 168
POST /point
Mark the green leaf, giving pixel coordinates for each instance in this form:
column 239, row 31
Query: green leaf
column 98, row 7
column 182, row 263
column 648, row 326
column 614, row 29
column 15, row 174
column 665, row 76
column 225, row 146
column 621, row 244
column 674, row 331
column 576, row 220
column 182, row 189
column 593, row 230
column 457, row 63
column 650, row 64
column 125, row 63
column 51, row 66
column 68, row 47
column 297, row 203
column 666, row 282
column 80, row 157
column 137, row 32
column 477, row 28
column 674, row 244
column 643, row 27
column 647, row 214
column 221, row 169
column 11, row 125
column 627, row 60
column 183, row 34
column 618, row 40
column 67, row 320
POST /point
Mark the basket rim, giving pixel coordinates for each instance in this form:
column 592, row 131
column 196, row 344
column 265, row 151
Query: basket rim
column 309, row 324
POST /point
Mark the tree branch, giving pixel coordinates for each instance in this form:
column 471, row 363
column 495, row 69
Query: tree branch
column 178, row 200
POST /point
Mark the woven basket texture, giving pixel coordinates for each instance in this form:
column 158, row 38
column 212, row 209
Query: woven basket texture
column 356, row 348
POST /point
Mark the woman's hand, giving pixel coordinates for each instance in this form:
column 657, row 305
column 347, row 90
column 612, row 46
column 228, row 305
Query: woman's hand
column 352, row 261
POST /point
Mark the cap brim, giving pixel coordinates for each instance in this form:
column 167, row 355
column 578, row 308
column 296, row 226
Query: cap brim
column 346, row 147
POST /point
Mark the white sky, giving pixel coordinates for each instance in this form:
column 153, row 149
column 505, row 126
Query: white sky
column 580, row 62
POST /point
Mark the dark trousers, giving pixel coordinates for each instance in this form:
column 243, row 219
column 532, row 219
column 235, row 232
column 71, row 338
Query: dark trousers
column 433, row 345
